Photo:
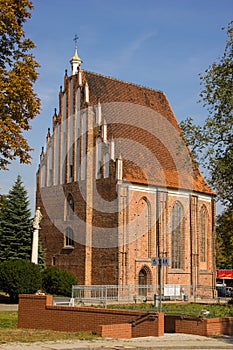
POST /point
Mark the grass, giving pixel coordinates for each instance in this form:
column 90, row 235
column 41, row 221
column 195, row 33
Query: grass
column 10, row 333
column 194, row 309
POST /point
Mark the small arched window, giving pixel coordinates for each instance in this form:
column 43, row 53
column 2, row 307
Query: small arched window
column 69, row 239
column 177, row 235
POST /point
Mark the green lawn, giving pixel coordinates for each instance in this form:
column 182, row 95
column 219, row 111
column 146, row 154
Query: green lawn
column 10, row 333
column 195, row 309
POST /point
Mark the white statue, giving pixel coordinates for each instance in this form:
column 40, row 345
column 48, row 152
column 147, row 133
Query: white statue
column 37, row 219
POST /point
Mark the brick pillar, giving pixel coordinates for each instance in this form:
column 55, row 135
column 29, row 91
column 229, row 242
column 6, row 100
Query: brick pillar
column 122, row 235
column 194, row 258
column 90, row 171
column 75, row 111
column 161, row 231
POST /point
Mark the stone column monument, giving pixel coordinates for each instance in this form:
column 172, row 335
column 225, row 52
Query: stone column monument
column 35, row 238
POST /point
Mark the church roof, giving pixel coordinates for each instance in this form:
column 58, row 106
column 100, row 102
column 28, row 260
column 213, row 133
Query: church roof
column 147, row 134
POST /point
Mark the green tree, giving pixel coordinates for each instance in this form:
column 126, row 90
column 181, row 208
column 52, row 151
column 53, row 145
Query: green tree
column 18, row 72
column 19, row 276
column 2, row 202
column 57, row 281
column 16, row 225
column 224, row 245
column 212, row 142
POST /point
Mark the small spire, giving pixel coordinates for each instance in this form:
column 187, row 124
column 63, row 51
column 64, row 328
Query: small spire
column 75, row 61
column 119, row 168
column 48, row 135
column 42, row 154
column 55, row 118
column 86, row 91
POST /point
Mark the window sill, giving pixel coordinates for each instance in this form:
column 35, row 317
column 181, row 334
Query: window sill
column 70, row 247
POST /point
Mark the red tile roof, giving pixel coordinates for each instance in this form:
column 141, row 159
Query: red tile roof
column 147, row 134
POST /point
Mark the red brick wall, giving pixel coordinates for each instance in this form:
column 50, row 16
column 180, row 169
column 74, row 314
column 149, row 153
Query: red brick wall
column 222, row 325
column 123, row 330
column 38, row 312
column 205, row 327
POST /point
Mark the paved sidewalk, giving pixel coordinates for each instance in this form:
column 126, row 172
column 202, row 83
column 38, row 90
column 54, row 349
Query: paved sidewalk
column 168, row 341
column 8, row 307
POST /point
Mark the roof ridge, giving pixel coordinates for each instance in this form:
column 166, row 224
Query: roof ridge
column 123, row 81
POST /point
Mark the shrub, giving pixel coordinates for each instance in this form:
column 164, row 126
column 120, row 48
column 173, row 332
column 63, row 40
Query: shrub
column 19, row 276
column 57, row 281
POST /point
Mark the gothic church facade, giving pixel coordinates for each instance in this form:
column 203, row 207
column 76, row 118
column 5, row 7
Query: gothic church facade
column 117, row 186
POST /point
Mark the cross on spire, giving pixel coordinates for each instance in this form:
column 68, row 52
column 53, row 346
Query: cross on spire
column 75, row 60
column 76, row 39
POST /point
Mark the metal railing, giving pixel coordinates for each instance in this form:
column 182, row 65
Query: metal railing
column 104, row 294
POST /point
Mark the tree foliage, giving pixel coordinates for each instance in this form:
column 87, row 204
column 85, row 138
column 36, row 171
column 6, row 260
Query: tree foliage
column 19, row 103
column 57, row 281
column 224, row 245
column 16, row 224
column 212, row 143
column 19, row 276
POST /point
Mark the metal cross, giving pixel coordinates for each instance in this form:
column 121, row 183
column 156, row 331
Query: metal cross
column 76, row 39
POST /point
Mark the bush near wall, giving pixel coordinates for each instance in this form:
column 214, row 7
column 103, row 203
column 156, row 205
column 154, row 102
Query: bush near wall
column 57, row 281
column 19, row 276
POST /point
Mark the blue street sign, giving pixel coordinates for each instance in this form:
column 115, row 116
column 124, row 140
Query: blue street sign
column 161, row 261
column 165, row 261
column 155, row 261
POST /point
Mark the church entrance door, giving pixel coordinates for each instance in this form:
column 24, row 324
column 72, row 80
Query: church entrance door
column 142, row 282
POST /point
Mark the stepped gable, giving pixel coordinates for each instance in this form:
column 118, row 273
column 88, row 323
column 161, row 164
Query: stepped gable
column 159, row 166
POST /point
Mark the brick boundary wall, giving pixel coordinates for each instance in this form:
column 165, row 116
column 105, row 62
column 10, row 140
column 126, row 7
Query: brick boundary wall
column 38, row 312
column 198, row 326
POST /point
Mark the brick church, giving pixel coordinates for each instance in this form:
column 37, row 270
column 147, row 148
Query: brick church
column 117, row 186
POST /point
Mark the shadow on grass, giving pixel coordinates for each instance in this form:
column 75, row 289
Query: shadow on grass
column 4, row 299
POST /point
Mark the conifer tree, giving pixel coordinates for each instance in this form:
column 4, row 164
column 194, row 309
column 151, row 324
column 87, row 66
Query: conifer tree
column 16, row 224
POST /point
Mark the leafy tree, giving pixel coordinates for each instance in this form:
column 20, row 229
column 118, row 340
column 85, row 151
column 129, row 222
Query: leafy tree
column 19, row 276
column 57, row 281
column 16, row 225
column 18, row 102
column 212, row 143
column 224, row 245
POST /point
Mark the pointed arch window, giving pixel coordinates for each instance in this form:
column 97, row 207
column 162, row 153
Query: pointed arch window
column 98, row 158
column 203, row 230
column 106, row 165
column 177, row 235
column 69, row 239
column 144, row 225
column 70, row 208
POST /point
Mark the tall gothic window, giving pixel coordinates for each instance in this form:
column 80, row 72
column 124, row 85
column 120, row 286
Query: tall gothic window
column 69, row 237
column 106, row 165
column 177, row 235
column 98, row 158
column 203, row 234
column 70, row 208
column 144, row 227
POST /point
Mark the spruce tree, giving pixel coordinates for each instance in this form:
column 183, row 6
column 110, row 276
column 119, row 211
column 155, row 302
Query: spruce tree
column 16, row 225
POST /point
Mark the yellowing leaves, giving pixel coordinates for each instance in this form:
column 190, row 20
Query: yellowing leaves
column 19, row 104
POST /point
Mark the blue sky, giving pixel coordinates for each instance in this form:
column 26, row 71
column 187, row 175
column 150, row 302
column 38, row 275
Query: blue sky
column 162, row 44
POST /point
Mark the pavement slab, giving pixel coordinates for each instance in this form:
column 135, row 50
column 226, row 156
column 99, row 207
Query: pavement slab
column 168, row 341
